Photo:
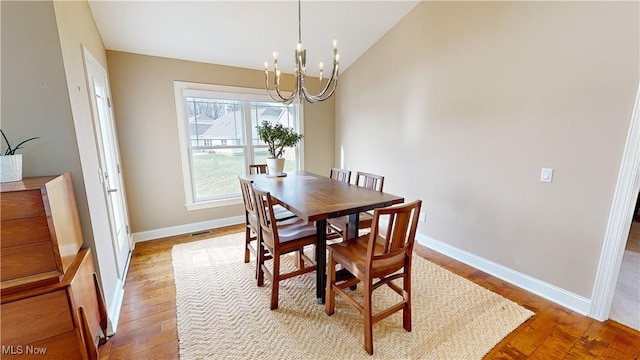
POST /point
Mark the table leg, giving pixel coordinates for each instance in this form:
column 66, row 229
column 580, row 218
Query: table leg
column 354, row 220
column 321, row 260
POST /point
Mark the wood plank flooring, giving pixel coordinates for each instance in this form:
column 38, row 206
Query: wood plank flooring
column 147, row 326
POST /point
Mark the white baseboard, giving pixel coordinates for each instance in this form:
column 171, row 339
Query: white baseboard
column 186, row 228
column 548, row 291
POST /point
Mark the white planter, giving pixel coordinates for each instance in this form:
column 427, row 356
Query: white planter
column 10, row 168
column 275, row 166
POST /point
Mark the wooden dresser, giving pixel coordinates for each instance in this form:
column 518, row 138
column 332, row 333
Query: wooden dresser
column 51, row 302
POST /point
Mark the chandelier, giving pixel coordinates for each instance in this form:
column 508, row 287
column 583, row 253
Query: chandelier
column 300, row 90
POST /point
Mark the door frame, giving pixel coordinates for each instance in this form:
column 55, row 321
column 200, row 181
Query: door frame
column 620, row 217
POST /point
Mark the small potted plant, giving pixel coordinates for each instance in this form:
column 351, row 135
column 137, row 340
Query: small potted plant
column 10, row 162
column 277, row 137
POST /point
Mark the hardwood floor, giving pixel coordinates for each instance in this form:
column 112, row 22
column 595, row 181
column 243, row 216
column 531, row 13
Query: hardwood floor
column 147, row 326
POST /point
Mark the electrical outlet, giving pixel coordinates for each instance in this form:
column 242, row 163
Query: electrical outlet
column 423, row 217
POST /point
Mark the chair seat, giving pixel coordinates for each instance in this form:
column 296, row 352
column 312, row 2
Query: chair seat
column 294, row 229
column 280, row 213
column 354, row 252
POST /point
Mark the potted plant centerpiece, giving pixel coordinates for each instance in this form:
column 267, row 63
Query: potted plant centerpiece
column 10, row 162
column 277, row 137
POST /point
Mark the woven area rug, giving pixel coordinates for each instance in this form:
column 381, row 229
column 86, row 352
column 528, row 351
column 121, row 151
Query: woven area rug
column 222, row 314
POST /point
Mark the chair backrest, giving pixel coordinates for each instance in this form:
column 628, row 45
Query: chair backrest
column 257, row 169
column 340, row 174
column 250, row 209
column 398, row 238
column 264, row 205
column 370, row 181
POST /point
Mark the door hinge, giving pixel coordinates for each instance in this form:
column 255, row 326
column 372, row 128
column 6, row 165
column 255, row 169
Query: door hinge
column 108, row 101
column 127, row 228
column 118, row 167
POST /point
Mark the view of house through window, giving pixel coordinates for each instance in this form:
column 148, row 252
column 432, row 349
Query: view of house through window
column 223, row 141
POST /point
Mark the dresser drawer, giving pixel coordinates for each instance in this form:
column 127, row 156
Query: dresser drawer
column 21, row 204
column 24, row 231
column 40, row 231
column 25, row 260
column 35, row 318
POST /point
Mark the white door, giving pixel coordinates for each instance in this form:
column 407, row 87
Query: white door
column 110, row 170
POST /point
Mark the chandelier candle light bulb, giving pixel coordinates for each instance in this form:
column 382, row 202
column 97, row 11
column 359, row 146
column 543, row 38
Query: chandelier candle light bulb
column 300, row 90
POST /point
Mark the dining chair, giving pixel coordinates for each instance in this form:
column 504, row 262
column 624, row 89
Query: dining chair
column 383, row 255
column 279, row 238
column 369, row 181
column 343, row 175
column 252, row 226
column 257, row 169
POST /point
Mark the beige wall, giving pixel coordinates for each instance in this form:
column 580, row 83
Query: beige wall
column 470, row 100
column 143, row 99
column 35, row 99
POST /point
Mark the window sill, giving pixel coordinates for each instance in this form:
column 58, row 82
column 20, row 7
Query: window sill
column 213, row 204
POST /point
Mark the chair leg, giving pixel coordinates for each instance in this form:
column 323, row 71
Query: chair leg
column 300, row 261
column 275, row 284
column 368, row 321
column 247, row 240
column 406, row 310
column 330, row 294
column 260, row 262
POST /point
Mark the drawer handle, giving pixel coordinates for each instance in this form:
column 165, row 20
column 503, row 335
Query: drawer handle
column 109, row 191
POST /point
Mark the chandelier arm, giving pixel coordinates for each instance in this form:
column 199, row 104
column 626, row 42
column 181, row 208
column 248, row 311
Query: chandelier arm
column 322, row 96
column 285, row 98
column 334, row 74
column 266, row 85
column 279, row 98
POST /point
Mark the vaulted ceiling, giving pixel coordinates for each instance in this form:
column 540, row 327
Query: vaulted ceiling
column 246, row 33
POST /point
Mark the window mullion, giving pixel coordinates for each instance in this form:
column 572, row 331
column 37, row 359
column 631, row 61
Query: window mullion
column 248, row 139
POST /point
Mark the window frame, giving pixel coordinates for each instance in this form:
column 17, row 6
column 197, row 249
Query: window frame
column 182, row 90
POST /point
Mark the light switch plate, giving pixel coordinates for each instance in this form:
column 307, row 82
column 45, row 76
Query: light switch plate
column 546, row 175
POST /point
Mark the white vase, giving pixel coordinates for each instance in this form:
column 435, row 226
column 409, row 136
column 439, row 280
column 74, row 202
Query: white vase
column 10, row 168
column 275, row 167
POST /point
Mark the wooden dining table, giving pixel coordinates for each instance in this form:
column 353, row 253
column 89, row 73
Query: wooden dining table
column 316, row 198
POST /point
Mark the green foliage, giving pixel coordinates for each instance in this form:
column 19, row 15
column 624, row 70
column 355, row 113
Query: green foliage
column 277, row 137
column 12, row 150
column 216, row 175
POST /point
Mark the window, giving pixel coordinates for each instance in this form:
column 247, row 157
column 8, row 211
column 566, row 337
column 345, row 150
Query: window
column 218, row 139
